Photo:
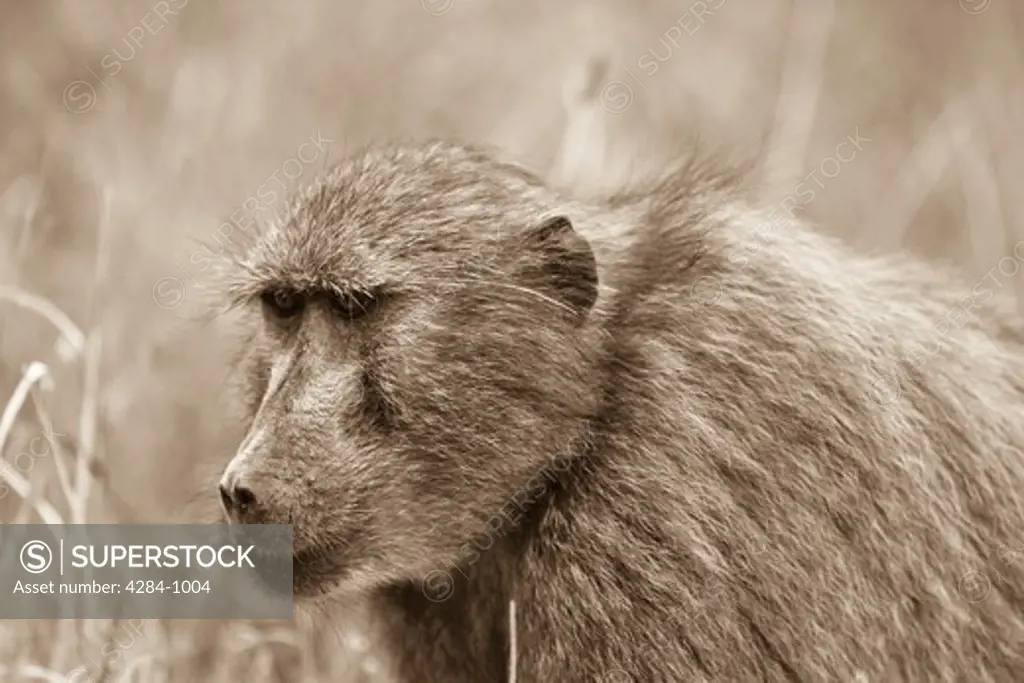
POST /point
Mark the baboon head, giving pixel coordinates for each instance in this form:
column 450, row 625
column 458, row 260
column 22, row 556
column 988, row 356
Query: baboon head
column 418, row 351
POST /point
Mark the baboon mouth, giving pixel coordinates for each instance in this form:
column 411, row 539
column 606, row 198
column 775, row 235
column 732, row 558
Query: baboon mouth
column 301, row 574
column 274, row 571
column 314, row 571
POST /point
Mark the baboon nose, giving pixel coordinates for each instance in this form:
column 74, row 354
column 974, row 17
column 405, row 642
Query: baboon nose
column 240, row 503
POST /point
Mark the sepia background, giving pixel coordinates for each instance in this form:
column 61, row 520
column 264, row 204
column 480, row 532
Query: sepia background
column 133, row 130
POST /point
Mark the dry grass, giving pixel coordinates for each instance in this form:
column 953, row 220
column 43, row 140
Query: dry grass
column 112, row 191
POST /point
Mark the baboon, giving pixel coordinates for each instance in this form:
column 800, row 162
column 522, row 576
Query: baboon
column 690, row 441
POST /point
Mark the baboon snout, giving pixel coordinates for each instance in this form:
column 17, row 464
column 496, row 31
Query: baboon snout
column 240, row 502
column 243, row 502
column 248, row 493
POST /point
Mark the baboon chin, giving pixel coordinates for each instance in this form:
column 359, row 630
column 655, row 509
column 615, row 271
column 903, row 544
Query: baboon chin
column 690, row 442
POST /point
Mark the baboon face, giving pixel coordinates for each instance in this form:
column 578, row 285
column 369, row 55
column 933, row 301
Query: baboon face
column 417, row 356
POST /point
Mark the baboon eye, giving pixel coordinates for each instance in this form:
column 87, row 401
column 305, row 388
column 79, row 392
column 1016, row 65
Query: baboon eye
column 282, row 303
column 354, row 304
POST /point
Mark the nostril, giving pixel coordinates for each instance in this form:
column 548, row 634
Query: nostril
column 239, row 502
column 244, row 498
column 225, row 498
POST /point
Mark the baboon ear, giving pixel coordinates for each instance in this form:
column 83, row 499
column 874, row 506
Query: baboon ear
column 567, row 268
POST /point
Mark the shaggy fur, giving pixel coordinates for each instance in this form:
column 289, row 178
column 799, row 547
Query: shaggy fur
column 690, row 443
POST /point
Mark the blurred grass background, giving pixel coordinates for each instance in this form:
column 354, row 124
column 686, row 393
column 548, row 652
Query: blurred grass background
column 133, row 129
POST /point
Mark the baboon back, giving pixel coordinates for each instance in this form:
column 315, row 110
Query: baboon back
column 807, row 466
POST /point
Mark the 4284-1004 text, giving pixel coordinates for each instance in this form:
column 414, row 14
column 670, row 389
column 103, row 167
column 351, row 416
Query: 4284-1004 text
column 96, row 588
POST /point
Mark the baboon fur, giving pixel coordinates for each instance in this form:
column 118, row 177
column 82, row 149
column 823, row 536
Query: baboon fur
column 690, row 441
